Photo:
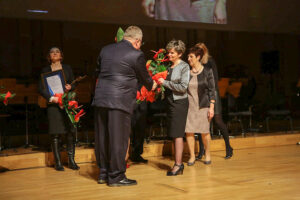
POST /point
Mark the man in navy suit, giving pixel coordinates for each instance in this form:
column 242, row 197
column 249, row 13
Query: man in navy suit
column 121, row 66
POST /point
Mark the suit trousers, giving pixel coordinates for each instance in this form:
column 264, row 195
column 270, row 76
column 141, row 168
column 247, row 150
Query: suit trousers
column 112, row 131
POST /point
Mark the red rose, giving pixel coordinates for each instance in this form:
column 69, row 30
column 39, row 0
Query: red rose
column 8, row 95
column 138, row 95
column 151, row 96
column 144, row 92
column 78, row 115
column 157, row 53
column 73, row 104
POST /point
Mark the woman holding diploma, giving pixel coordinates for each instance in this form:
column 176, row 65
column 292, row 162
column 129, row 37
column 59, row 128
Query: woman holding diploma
column 58, row 121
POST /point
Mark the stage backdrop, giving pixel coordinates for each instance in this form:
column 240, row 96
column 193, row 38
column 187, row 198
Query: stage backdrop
column 234, row 15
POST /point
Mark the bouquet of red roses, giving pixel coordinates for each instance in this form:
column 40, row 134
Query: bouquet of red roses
column 6, row 96
column 68, row 103
column 157, row 68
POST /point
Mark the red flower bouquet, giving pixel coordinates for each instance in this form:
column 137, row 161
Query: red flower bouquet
column 157, row 68
column 4, row 97
column 68, row 103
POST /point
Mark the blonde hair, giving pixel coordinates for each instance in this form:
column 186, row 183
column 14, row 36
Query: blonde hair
column 206, row 55
column 133, row 33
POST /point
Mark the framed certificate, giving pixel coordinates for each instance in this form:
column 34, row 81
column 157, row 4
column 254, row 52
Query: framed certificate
column 54, row 82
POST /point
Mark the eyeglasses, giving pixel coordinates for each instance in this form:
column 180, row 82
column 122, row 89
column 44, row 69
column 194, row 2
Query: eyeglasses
column 142, row 43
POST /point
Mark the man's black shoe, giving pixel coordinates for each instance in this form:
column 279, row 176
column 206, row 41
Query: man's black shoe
column 138, row 159
column 102, row 180
column 124, row 182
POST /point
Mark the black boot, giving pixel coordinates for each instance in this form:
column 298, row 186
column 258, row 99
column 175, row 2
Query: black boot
column 201, row 154
column 56, row 153
column 71, row 152
column 229, row 152
column 201, row 147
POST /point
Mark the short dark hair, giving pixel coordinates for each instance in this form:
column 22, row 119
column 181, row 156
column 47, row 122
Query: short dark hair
column 48, row 55
column 197, row 51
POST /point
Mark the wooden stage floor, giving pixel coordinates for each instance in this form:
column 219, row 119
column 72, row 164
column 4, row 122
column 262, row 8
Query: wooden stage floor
column 257, row 173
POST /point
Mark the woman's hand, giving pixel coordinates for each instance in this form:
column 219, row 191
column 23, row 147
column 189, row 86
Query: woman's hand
column 149, row 7
column 154, row 86
column 210, row 114
column 54, row 99
column 68, row 87
column 161, row 80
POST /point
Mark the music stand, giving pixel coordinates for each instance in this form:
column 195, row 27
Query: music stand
column 27, row 145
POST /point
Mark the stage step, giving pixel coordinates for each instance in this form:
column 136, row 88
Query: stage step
column 24, row 158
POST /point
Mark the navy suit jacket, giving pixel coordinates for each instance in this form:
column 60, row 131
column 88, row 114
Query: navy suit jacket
column 121, row 67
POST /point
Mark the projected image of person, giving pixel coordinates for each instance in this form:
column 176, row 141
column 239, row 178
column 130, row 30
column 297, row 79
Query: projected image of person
column 205, row 11
column 210, row 11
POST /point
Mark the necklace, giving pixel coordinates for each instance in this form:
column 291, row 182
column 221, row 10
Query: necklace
column 198, row 68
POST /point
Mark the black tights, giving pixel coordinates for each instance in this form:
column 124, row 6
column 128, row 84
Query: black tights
column 224, row 131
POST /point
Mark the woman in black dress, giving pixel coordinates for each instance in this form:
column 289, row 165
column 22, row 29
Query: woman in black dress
column 176, row 95
column 59, row 123
column 207, row 61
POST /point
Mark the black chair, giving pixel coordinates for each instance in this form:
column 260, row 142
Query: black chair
column 279, row 114
column 236, row 115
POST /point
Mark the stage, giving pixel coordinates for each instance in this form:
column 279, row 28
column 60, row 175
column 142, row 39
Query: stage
column 25, row 158
column 255, row 173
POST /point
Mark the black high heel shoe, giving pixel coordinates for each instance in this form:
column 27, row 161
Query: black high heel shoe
column 178, row 172
column 200, row 155
column 229, row 153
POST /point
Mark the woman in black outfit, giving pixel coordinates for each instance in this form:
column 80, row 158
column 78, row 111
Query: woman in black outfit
column 210, row 63
column 176, row 85
column 59, row 123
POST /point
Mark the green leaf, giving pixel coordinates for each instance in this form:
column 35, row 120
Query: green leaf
column 12, row 95
column 120, row 34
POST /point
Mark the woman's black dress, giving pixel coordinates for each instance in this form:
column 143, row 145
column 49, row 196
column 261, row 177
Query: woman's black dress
column 59, row 122
column 176, row 112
